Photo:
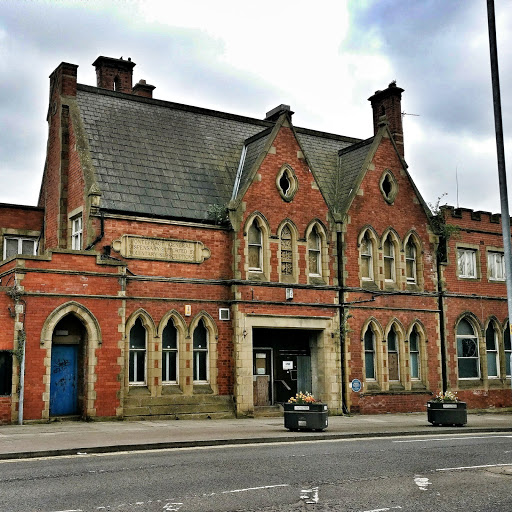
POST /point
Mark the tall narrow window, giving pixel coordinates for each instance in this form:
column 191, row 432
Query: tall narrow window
column 466, row 261
column 508, row 349
column 314, row 253
column 255, row 248
column 414, row 353
column 76, row 233
column 170, row 353
column 286, row 252
column 491, row 346
column 496, row 266
column 200, row 353
column 369, row 353
column 389, row 260
column 467, row 351
column 366, row 258
column 410, row 261
column 137, row 370
column 393, row 356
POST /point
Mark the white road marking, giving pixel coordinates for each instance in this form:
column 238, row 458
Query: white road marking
column 309, row 494
column 473, row 467
column 172, row 507
column 255, row 488
column 422, row 482
column 448, row 439
column 383, row 509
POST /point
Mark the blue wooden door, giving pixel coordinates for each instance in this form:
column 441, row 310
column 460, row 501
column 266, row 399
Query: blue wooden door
column 63, row 383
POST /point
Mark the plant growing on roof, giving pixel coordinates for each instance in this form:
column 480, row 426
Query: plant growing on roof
column 218, row 214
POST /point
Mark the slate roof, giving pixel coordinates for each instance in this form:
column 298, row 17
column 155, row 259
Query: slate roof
column 164, row 159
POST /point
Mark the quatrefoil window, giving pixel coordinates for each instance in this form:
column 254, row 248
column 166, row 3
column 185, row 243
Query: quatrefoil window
column 388, row 186
column 287, row 183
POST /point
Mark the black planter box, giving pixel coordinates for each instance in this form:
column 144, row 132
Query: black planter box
column 445, row 413
column 305, row 416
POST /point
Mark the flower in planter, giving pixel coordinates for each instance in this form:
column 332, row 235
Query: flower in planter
column 448, row 397
column 303, row 398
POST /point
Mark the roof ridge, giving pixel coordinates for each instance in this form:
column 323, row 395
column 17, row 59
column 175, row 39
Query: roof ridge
column 358, row 145
column 176, row 106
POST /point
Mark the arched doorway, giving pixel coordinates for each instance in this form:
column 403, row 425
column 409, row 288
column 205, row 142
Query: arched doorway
column 68, row 363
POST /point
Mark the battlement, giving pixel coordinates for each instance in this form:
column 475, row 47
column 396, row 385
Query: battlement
column 467, row 215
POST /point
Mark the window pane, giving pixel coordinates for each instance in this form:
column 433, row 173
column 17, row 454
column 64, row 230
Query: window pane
column 468, row 368
column 254, row 257
column 368, row 339
column 169, row 360
column 490, row 338
column 200, row 336
column 11, row 247
column 137, row 366
column 138, row 335
column 464, row 327
column 415, row 374
column 27, row 246
column 413, row 341
column 467, row 347
column 492, row 367
column 200, row 365
column 369, row 365
column 169, row 336
column 254, row 234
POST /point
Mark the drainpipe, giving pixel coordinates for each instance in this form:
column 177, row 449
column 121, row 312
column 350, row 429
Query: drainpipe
column 440, row 306
column 22, row 378
column 341, row 287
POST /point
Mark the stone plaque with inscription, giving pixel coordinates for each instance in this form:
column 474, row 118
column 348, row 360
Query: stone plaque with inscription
column 164, row 249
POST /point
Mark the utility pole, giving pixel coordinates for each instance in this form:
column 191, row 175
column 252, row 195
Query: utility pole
column 505, row 217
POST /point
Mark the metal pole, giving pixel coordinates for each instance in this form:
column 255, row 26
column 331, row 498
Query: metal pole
column 505, row 217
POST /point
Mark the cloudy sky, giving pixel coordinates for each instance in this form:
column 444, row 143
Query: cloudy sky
column 324, row 59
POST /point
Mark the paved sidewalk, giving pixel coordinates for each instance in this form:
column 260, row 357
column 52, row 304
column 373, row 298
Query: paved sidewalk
column 65, row 438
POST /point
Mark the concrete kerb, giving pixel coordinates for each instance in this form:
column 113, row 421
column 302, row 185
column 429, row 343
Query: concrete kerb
column 296, row 437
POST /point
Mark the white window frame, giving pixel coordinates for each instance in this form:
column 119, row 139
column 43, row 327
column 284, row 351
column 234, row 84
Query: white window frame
column 496, row 266
column 389, row 259
column 415, row 353
column 258, row 246
column 315, row 248
column 20, row 239
column 76, row 233
column 166, row 353
column 466, row 263
column 492, row 353
column 196, row 353
column 412, row 261
column 136, row 351
column 368, row 256
column 474, row 338
column 367, row 352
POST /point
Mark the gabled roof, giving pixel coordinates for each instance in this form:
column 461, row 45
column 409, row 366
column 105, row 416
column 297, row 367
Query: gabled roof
column 157, row 158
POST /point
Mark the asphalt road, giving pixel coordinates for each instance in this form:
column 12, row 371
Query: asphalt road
column 441, row 473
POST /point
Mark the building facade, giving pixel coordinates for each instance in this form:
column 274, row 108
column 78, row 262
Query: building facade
column 184, row 262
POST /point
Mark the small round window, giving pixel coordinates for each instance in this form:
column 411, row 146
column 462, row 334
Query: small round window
column 287, row 183
column 388, row 186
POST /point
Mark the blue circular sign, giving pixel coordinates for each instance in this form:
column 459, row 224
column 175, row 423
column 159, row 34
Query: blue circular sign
column 356, row 385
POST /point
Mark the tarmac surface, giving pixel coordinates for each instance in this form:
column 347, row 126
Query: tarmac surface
column 73, row 437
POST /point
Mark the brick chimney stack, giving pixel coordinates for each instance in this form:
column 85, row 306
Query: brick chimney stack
column 141, row 88
column 114, row 74
column 389, row 103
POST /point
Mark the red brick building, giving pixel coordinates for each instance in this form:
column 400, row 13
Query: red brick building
column 184, row 262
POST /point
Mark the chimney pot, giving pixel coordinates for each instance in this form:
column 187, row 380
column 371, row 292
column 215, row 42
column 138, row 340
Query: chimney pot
column 114, row 74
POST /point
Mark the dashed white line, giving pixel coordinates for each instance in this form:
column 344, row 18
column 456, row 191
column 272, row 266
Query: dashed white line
column 383, row 509
column 461, row 468
column 255, row 488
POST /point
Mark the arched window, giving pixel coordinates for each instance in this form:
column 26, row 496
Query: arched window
column 170, row 353
column 491, row 347
column 467, row 351
column 315, row 253
column 255, row 248
column 366, row 258
column 393, row 355
column 389, row 259
column 414, row 353
column 369, row 353
column 286, row 251
column 137, row 364
column 410, row 262
column 508, row 349
column 200, row 353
